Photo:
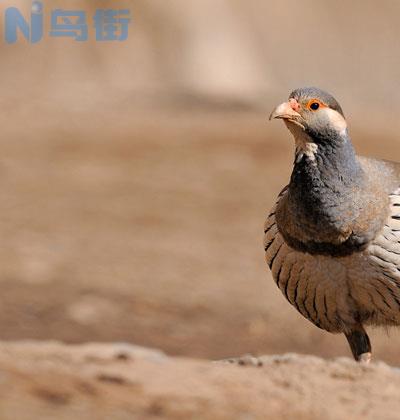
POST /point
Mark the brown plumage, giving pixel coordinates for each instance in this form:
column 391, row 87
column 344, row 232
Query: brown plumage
column 332, row 239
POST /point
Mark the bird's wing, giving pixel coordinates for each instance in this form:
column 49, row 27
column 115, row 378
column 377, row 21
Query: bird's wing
column 273, row 241
column 384, row 173
column 385, row 248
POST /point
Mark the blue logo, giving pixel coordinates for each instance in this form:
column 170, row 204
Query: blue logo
column 107, row 24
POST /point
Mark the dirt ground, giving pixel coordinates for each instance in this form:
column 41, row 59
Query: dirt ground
column 97, row 381
column 146, row 227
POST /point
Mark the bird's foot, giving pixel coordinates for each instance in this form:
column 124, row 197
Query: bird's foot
column 365, row 358
column 246, row 360
column 359, row 344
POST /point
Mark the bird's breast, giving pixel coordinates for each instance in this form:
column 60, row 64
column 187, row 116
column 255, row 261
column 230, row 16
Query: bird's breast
column 336, row 292
column 334, row 224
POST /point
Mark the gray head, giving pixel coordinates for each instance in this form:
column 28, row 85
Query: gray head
column 307, row 94
column 315, row 119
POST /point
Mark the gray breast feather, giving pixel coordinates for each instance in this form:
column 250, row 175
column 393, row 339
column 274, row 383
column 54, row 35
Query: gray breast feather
column 336, row 293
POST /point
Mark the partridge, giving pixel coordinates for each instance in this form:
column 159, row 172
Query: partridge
column 332, row 239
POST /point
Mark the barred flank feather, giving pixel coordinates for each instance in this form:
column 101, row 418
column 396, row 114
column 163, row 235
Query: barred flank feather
column 339, row 293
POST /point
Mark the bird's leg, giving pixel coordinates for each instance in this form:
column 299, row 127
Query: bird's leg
column 359, row 344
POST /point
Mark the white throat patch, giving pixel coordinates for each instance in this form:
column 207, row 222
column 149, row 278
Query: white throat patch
column 303, row 142
column 305, row 148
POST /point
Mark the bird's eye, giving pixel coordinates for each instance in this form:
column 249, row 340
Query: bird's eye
column 314, row 106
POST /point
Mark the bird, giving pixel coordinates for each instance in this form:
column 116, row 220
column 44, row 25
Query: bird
column 332, row 238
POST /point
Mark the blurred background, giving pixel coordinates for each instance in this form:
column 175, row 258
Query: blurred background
column 135, row 176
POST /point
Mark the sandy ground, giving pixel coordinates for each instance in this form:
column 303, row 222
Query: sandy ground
column 48, row 380
column 147, row 228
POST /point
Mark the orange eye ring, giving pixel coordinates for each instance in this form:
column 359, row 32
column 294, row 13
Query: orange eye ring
column 315, row 104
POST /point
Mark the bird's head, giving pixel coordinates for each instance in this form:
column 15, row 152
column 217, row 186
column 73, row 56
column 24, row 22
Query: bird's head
column 314, row 117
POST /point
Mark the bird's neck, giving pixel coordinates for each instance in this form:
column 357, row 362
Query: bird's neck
column 324, row 168
column 322, row 189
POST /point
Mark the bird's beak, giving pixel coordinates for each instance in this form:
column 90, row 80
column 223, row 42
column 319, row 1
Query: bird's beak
column 286, row 111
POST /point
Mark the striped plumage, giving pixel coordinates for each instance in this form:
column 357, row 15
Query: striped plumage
column 327, row 290
column 332, row 239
